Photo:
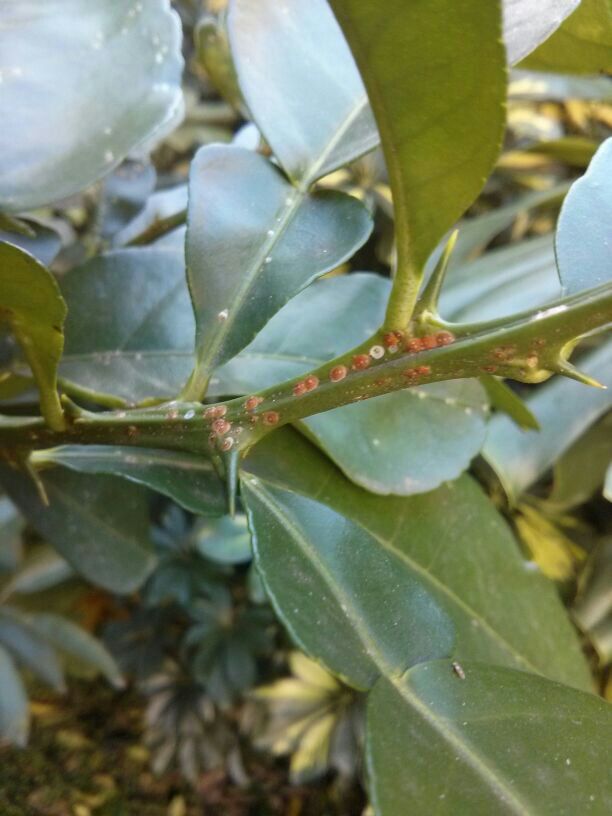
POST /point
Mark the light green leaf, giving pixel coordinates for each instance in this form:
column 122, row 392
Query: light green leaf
column 41, row 241
column 584, row 230
column 64, row 128
column 437, row 92
column 225, row 540
column 498, row 741
column 71, row 639
column 527, row 24
column 41, row 569
column 244, row 261
column 301, row 85
column 14, row 714
column 541, row 86
column 564, row 409
column 345, row 598
column 453, row 542
column 189, row 479
column 582, row 45
column 130, row 328
column 503, row 398
column 98, row 523
column 31, row 304
column 28, row 648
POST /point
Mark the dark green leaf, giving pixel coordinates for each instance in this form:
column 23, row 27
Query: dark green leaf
column 14, row 715
column 564, row 409
column 498, row 741
column 67, row 637
column 225, row 540
column 582, row 45
column 301, row 85
column 130, row 329
column 41, row 569
column 584, row 236
column 189, row 479
column 29, row 649
column 244, row 261
column 64, row 128
column 98, row 523
column 10, row 535
column 454, row 542
column 31, row 303
column 344, row 596
column 527, row 24
column 437, row 92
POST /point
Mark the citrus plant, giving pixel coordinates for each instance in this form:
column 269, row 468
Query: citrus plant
column 203, row 352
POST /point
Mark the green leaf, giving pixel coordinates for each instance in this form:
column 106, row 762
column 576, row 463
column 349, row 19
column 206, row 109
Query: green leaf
column 584, row 235
column 499, row 741
column 301, row 85
column 581, row 471
column 71, row 639
column 30, row 302
column 245, row 263
column 98, row 523
column 41, row 569
column 541, row 86
column 503, row 398
column 10, row 535
column 64, row 128
column 564, row 409
column 502, row 282
column 189, row 479
column 130, row 328
column 225, row 540
column 41, row 241
column 14, row 714
column 344, row 597
column 455, row 543
column 407, row 442
column 582, row 45
column 28, row 648
column 438, row 94
column 526, row 24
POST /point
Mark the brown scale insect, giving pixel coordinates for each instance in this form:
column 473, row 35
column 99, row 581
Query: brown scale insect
column 392, row 340
column 504, row 352
column 490, row 369
column 215, row 412
column 299, row 389
column 221, row 426
column 227, row 444
column 423, row 370
column 338, row 373
column 252, row 403
column 410, row 373
column 311, row 382
column 414, row 345
column 270, row 417
column 360, row 361
column 445, row 338
column 429, row 342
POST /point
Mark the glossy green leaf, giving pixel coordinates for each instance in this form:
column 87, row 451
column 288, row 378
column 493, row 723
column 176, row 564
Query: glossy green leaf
column 225, row 540
column 98, row 523
column 582, row 45
column 14, row 715
column 455, row 543
column 501, row 282
column 189, row 479
column 581, row 471
column 498, row 741
column 301, row 85
column 130, row 329
column 564, row 410
column 28, row 648
column 31, row 304
column 245, row 262
column 429, row 84
column 527, row 24
column 503, row 398
column 74, row 641
column 584, row 231
column 345, row 598
column 76, row 99
column 407, row 442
